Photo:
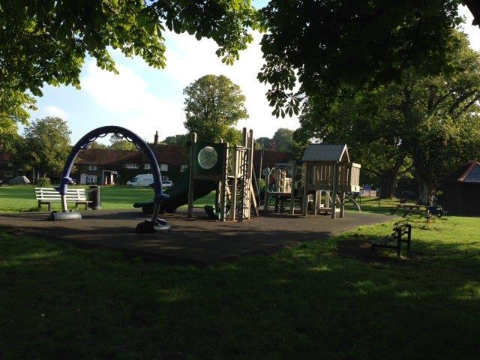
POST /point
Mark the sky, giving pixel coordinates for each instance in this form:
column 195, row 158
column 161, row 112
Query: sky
column 146, row 100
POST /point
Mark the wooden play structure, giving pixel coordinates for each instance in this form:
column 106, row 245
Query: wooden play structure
column 320, row 184
column 328, row 174
column 231, row 168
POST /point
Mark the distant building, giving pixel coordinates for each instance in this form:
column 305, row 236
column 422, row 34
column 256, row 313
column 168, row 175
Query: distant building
column 109, row 167
column 461, row 190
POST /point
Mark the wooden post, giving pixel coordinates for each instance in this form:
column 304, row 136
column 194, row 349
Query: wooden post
column 306, row 170
column 233, row 202
column 292, row 194
column 191, row 178
column 342, row 204
column 334, row 191
column 223, row 185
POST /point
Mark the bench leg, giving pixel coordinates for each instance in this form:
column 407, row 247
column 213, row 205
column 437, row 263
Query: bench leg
column 49, row 207
column 86, row 206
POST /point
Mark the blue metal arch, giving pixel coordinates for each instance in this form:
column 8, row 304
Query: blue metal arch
column 129, row 135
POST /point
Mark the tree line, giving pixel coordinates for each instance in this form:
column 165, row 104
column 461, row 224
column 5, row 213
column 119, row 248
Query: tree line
column 394, row 79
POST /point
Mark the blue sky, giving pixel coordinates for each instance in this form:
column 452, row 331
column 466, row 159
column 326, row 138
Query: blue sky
column 146, row 100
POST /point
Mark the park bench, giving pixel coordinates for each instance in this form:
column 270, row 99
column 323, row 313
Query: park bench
column 409, row 209
column 399, row 231
column 45, row 196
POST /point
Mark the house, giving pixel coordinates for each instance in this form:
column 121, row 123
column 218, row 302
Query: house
column 108, row 167
column 461, row 190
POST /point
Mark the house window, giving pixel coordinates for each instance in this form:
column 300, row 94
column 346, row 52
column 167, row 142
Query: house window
column 164, row 167
column 92, row 167
column 146, row 166
column 131, row 166
column 91, row 179
column 8, row 173
column 10, row 164
column 183, row 168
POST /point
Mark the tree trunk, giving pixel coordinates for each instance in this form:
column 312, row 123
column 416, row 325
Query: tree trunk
column 387, row 185
column 388, row 179
column 426, row 192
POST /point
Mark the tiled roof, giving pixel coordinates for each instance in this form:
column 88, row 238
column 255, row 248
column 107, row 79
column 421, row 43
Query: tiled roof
column 324, row 152
column 468, row 173
column 165, row 154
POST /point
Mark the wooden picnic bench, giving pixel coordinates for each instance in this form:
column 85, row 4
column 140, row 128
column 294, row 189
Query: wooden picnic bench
column 45, row 196
column 409, row 208
column 399, row 231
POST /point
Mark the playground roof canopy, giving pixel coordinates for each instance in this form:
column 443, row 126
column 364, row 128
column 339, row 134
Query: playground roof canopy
column 326, row 153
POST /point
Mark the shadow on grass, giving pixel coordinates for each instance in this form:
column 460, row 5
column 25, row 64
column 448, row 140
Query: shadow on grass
column 307, row 303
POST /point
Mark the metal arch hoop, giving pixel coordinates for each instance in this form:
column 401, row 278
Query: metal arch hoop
column 159, row 196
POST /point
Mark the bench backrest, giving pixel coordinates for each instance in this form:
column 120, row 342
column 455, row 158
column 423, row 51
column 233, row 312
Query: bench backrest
column 50, row 194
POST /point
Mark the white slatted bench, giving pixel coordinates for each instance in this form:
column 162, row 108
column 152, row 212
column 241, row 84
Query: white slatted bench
column 48, row 195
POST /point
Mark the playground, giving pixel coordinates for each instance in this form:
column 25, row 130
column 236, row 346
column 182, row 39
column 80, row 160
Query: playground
column 197, row 240
column 321, row 291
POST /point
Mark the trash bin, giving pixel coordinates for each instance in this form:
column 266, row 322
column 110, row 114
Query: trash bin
column 94, row 197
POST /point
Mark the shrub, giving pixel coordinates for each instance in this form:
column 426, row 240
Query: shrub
column 42, row 182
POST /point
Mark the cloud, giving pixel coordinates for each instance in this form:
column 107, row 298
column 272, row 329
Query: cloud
column 147, row 100
column 52, row 111
column 130, row 103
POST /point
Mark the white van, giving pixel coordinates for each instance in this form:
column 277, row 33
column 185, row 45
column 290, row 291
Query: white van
column 141, row 180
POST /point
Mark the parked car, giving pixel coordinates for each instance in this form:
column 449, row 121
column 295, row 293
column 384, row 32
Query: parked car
column 141, row 180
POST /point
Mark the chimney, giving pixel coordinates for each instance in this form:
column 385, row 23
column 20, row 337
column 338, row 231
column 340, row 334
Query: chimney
column 155, row 139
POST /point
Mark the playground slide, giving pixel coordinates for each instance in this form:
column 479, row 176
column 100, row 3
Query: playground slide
column 178, row 194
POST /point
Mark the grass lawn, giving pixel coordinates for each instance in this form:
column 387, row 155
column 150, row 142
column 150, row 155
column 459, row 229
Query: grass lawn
column 22, row 198
column 328, row 299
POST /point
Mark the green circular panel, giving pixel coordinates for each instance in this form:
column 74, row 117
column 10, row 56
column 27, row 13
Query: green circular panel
column 207, row 157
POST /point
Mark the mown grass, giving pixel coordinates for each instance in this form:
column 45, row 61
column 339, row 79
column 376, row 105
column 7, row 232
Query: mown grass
column 328, row 299
column 22, row 198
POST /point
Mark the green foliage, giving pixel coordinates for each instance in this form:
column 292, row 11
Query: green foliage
column 44, row 182
column 213, row 105
column 97, row 145
column 14, row 107
column 47, row 41
column 45, row 146
column 119, row 143
column 429, row 122
column 176, row 140
column 332, row 44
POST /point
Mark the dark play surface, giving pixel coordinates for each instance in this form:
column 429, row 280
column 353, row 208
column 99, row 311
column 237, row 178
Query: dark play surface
column 197, row 241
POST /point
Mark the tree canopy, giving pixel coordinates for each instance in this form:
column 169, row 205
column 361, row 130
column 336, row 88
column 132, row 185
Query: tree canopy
column 429, row 122
column 46, row 41
column 329, row 44
column 213, row 105
column 46, row 145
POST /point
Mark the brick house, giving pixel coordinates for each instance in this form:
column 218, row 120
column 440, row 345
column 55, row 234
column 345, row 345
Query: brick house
column 108, row 167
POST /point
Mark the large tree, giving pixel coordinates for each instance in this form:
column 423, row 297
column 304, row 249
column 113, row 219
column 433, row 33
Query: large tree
column 329, row 44
column 213, row 106
column 45, row 146
column 429, row 122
